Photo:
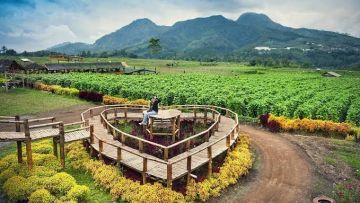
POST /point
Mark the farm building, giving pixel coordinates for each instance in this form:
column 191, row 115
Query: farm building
column 34, row 67
column 7, row 65
column 331, row 74
column 95, row 67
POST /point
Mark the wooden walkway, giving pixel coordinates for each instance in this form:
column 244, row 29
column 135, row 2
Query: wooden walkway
column 156, row 168
column 49, row 129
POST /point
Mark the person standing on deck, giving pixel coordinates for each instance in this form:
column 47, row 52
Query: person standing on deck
column 153, row 110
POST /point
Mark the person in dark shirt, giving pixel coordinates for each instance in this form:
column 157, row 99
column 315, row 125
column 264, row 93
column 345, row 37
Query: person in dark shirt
column 153, row 110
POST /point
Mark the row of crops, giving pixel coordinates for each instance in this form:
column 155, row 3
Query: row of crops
column 292, row 94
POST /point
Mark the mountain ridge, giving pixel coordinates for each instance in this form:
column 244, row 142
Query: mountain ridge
column 218, row 37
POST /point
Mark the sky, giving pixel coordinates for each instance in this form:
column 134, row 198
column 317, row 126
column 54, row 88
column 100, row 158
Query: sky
column 33, row 25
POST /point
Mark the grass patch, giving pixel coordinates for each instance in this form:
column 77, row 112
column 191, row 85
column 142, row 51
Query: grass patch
column 349, row 152
column 97, row 194
column 20, row 101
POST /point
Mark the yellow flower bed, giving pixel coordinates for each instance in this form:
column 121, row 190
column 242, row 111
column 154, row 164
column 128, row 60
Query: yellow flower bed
column 312, row 126
column 237, row 163
column 120, row 187
column 109, row 100
column 45, row 183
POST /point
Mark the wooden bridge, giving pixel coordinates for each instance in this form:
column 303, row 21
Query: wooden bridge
column 97, row 127
column 26, row 133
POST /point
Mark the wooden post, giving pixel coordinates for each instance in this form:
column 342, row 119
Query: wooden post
column 122, row 139
column 141, row 146
column 166, row 154
column 228, row 141
column 169, row 176
column 115, row 134
column 62, row 144
column 232, row 133
column 173, row 130
column 108, row 129
column 91, row 113
column 144, row 170
column 227, row 114
column 28, row 144
column 217, row 126
column 17, row 124
column 115, row 113
column 18, row 143
column 178, row 126
column 205, row 116
column 151, row 127
column 188, row 166
column 19, row 151
column 213, row 113
column 207, row 135
column 118, row 156
column 101, row 149
column 125, row 113
column 91, row 134
column 187, row 147
column 55, row 148
column 194, row 115
column 209, row 152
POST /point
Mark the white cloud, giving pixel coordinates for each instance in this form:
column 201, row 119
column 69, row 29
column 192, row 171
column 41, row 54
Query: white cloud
column 47, row 23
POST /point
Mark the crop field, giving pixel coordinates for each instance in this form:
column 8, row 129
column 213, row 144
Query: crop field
column 295, row 94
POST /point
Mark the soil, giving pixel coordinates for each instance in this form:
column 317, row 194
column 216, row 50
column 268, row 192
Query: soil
column 281, row 173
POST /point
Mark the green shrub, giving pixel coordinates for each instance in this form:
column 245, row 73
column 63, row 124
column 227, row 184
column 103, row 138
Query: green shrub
column 61, row 183
column 36, row 183
column 7, row 161
column 6, row 174
column 16, row 188
column 41, row 196
column 47, row 160
column 42, row 171
column 79, row 193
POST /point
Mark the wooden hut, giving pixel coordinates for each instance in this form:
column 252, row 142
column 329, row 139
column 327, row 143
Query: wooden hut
column 10, row 66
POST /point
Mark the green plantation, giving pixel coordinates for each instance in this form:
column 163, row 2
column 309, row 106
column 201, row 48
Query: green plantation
column 290, row 93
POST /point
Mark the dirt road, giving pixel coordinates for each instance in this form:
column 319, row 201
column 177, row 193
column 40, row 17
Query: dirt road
column 284, row 175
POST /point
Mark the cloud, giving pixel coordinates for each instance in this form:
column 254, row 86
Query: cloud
column 35, row 25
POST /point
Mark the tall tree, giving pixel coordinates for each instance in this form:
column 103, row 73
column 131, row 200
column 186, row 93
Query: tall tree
column 154, row 46
column 3, row 49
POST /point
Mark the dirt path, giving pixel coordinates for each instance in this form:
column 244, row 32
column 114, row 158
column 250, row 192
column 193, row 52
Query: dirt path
column 284, row 173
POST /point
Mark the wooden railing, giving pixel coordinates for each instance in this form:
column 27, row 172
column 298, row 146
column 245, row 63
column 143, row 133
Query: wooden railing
column 122, row 136
column 231, row 135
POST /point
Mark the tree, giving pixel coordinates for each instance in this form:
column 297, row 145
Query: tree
column 3, row 49
column 154, row 46
column 10, row 52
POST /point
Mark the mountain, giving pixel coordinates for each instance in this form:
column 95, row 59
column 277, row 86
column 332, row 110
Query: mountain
column 251, row 37
column 135, row 33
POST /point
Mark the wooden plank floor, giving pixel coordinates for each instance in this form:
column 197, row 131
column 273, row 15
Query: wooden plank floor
column 155, row 169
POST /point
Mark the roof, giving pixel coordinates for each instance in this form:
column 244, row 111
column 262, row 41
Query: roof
column 26, row 60
column 83, row 66
column 7, row 64
column 34, row 66
column 333, row 74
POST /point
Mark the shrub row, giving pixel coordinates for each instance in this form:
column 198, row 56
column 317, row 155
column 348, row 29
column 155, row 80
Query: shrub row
column 237, row 163
column 57, row 89
column 44, row 183
column 116, row 100
column 88, row 95
column 326, row 128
